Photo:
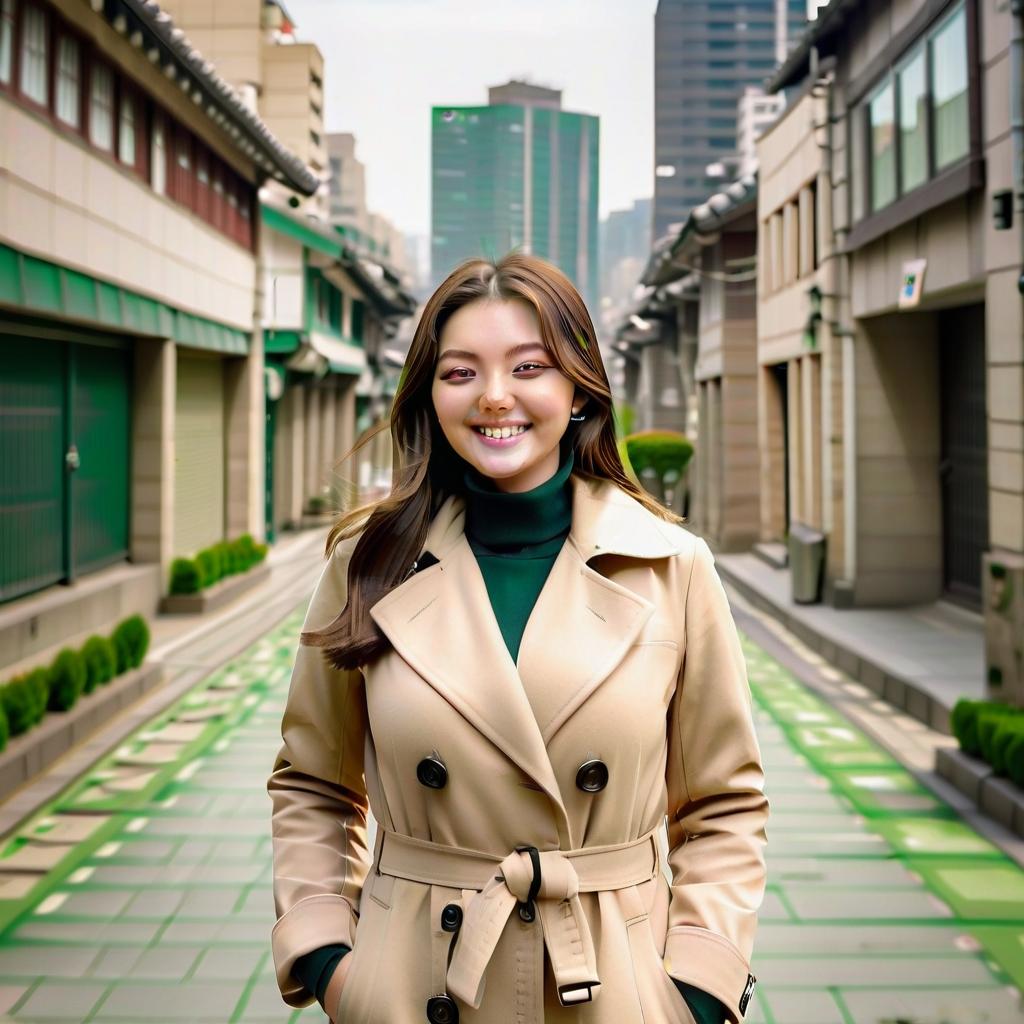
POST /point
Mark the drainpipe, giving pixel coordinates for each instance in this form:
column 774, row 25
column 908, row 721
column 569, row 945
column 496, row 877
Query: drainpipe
column 1017, row 120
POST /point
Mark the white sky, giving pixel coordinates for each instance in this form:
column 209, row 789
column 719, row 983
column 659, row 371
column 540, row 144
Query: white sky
column 388, row 61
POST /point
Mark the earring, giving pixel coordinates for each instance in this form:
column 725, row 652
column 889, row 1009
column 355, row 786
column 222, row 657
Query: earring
column 578, row 418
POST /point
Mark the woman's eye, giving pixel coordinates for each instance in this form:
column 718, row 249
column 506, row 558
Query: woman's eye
column 458, row 372
column 536, row 366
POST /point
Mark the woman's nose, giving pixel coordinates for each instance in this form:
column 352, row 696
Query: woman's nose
column 496, row 395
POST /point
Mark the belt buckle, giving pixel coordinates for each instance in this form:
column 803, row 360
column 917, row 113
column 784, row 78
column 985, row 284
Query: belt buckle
column 578, row 992
column 526, row 908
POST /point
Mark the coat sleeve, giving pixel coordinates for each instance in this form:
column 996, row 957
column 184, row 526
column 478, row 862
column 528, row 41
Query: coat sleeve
column 318, row 796
column 717, row 809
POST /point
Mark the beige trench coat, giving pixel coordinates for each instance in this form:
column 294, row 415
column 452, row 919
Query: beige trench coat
column 630, row 656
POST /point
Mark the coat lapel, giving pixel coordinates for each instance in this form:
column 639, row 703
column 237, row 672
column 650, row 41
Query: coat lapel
column 440, row 621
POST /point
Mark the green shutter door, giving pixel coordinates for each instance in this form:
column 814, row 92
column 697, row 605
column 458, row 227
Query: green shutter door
column 199, row 454
column 32, row 422
column 101, row 421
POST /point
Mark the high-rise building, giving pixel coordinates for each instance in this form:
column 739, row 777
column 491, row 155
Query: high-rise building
column 519, row 172
column 706, row 52
column 755, row 114
column 625, row 246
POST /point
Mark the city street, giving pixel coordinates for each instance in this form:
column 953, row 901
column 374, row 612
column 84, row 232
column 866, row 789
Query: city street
column 156, row 905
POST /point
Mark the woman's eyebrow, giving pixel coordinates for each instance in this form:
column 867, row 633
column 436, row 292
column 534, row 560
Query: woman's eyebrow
column 460, row 353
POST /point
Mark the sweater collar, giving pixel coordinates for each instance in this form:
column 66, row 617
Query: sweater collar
column 498, row 519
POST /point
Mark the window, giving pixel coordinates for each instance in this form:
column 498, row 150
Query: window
column 69, row 90
column 126, row 130
column 913, row 123
column 34, row 64
column 6, row 39
column 949, row 90
column 101, row 107
column 883, row 152
column 158, row 156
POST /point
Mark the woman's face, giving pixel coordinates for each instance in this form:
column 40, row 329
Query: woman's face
column 494, row 371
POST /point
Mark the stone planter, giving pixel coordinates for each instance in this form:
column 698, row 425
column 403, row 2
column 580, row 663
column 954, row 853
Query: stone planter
column 31, row 753
column 219, row 594
column 998, row 798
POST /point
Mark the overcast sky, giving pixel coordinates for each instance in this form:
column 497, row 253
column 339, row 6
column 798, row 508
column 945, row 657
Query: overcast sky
column 387, row 62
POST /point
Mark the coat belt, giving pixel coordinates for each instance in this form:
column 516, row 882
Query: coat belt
column 545, row 883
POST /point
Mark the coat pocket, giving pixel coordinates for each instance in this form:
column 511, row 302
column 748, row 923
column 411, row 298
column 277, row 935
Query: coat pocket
column 371, row 931
column 660, row 1001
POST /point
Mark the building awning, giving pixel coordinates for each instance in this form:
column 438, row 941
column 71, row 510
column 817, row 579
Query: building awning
column 322, row 239
column 30, row 284
column 341, row 356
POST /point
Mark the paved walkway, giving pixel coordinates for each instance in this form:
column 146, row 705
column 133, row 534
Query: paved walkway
column 921, row 658
column 143, row 893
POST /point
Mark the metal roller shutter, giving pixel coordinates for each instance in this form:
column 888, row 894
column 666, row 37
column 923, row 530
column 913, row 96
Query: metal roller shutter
column 199, row 454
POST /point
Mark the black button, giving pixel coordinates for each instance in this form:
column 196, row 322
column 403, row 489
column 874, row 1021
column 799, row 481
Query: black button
column 442, row 1010
column 432, row 773
column 451, row 917
column 592, row 776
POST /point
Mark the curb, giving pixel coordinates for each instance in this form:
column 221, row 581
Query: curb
column 998, row 798
column 30, row 754
column 902, row 693
column 216, row 596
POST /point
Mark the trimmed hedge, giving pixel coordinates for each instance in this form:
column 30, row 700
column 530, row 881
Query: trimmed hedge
column 994, row 732
column 212, row 564
column 664, row 451
column 25, row 699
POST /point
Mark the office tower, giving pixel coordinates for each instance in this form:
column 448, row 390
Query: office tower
column 519, row 172
column 706, row 52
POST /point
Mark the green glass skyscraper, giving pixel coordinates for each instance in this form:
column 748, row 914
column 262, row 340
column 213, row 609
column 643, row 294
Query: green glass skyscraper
column 519, row 172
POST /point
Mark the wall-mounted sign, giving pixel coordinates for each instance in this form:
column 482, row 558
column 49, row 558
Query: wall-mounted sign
column 912, row 283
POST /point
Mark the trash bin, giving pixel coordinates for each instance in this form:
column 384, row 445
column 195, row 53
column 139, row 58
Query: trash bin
column 806, row 562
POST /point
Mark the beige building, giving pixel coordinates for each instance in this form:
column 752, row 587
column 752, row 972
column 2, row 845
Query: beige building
column 133, row 380
column 913, row 423
column 253, row 47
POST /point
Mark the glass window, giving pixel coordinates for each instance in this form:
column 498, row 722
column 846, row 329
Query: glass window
column 33, row 55
column 858, row 171
column 949, row 90
column 158, row 157
column 126, row 130
column 6, row 39
column 101, row 107
column 68, row 81
column 913, row 124
column 883, row 150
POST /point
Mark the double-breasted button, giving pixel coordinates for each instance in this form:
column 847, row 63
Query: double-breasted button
column 442, row 1010
column 592, row 776
column 451, row 918
column 432, row 773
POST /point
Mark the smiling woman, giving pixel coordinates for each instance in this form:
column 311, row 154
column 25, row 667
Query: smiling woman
column 524, row 661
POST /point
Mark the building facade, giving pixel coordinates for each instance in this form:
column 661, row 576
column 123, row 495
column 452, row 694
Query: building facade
column 132, row 376
column 706, row 52
column 520, row 172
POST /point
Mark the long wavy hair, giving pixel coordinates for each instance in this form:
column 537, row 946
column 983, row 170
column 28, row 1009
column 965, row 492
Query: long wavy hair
column 426, row 470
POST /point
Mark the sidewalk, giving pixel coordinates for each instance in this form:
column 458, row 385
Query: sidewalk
column 188, row 647
column 921, row 659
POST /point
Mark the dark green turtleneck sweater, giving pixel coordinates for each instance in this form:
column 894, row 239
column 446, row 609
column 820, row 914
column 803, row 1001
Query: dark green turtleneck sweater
column 516, row 539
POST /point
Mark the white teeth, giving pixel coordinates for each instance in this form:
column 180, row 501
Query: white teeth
column 502, row 432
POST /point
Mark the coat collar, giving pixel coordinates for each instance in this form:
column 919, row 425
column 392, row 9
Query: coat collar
column 580, row 628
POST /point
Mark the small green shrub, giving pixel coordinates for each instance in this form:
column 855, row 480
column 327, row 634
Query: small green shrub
column 5, row 729
column 1014, row 754
column 989, row 720
column 208, row 561
column 245, row 551
column 185, row 576
column 100, row 662
column 67, row 680
column 131, row 641
column 38, row 682
column 18, row 704
column 664, row 451
column 230, row 563
column 316, row 504
column 1007, row 728
column 261, row 552
column 963, row 721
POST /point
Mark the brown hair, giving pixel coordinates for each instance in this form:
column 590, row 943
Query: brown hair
column 426, row 470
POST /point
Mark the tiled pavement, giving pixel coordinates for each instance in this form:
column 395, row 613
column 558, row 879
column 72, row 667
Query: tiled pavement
column 144, row 892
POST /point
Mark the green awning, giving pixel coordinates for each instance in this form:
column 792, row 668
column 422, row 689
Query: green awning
column 281, row 342
column 325, row 241
column 38, row 286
